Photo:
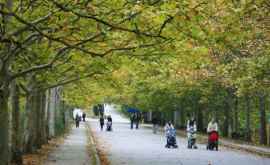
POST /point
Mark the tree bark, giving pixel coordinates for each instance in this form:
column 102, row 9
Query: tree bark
column 31, row 128
column 39, row 119
column 263, row 134
column 4, row 126
column 51, row 113
column 182, row 116
column 44, row 120
column 16, row 133
column 4, row 114
column 200, row 124
column 47, row 117
column 4, row 95
column 226, row 119
column 236, row 118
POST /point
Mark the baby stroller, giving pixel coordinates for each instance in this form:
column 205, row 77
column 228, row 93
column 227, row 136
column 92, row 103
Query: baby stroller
column 192, row 138
column 109, row 126
column 171, row 139
column 212, row 141
column 171, row 142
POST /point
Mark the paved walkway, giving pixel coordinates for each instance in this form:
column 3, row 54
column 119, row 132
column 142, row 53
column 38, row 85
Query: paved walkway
column 73, row 151
column 142, row 147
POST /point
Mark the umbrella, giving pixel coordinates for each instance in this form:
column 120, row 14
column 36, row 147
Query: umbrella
column 132, row 110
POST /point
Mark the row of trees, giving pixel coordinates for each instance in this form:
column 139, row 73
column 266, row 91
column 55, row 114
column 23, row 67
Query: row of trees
column 45, row 45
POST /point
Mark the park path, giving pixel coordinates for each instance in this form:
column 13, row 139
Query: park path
column 141, row 147
column 73, row 151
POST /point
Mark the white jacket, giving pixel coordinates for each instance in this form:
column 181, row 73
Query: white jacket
column 191, row 130
column 212, row 127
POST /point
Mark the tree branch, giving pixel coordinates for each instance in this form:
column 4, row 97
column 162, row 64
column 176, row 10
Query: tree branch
column 135, row 31
column 72, row 80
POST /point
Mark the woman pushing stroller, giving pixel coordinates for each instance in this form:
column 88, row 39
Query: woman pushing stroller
column 170, row 136
column 191, row 133
column 109, row 123
column 212, row 130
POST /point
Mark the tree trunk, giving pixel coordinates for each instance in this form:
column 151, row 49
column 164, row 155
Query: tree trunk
column 44, row 120
column 182, row 116
column 30, row 137
column 226, row 120
column 4, row 114
column 236, row 118
column 4, row 90
column 263, row 134
column 39, row 119
column 200, row 124
column 4, row 126
column 51, row 113
column 248, row 132
column 28, row 124
column 47, row 112
column 16, row 134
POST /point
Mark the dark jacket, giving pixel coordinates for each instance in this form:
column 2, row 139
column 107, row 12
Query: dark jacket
column 109, row 119
column 101, row 120
column 155, row 120
column 137, row 117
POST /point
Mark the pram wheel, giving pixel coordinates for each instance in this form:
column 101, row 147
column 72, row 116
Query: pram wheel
column 171, row 142
column 192, row 144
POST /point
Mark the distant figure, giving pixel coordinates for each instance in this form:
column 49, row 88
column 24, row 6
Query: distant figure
column 132, row 119
column 77, row 120
column 137, row 119
column 101, row 122
column 109, row 123
column 155, row 124
column 84, row 116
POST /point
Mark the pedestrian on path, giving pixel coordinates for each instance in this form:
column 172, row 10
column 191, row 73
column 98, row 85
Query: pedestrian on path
column 77, row 120
column 137, row 119
column 101, row 122
column 109, row 123
column 132, row 119
column 84, row 116
column 155, row 124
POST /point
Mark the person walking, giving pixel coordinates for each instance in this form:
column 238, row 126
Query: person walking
column 155, row 124
column 77, row 120
column 109, row 123
column 137, row 119
column 84, row 116
column 132, row 119
column 101, row 122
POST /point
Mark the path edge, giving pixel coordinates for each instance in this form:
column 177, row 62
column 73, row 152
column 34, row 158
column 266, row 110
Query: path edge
column 92, row 148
